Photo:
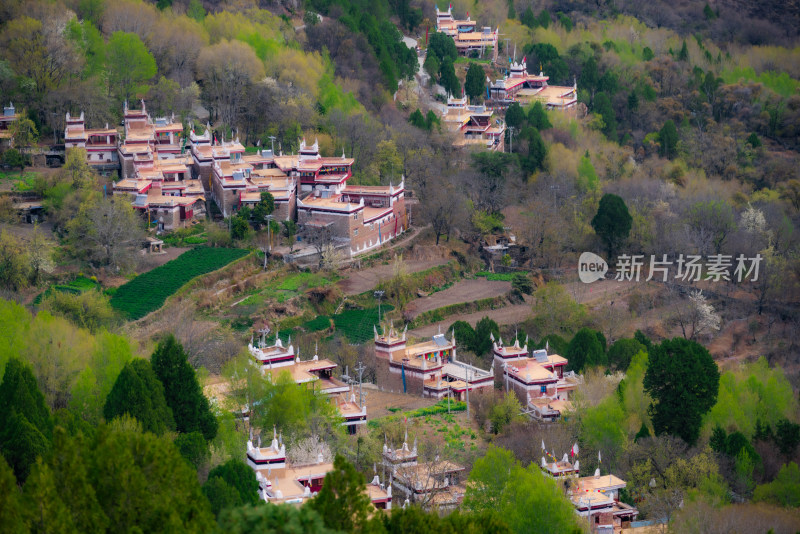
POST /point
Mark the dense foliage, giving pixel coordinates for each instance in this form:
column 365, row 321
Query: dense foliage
column 683, row 380
column 183, row 393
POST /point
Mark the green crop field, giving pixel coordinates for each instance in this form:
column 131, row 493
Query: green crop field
column 356, row 325
column 148, row 291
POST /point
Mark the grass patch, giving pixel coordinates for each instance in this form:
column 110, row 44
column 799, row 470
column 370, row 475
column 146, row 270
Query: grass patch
column 438, row 408
column 318, row 323
column 282, row 289
column 147, row 292
column 496, row 277
column 300, row 280
column 76, row 286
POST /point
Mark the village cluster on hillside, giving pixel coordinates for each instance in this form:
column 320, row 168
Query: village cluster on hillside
column 379, row 266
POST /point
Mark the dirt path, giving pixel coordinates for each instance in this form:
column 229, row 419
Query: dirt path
column 355, row 282
column 463, row 291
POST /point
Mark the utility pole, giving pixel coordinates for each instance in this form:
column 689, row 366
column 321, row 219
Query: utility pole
column 467, row 375
column 360, row 369
column 379, row 295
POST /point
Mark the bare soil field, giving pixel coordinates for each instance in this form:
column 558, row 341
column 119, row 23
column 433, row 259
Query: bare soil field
column 510, row 314
column 602, row 292
column 463, row 291
column 379, row 402
column 358, row 281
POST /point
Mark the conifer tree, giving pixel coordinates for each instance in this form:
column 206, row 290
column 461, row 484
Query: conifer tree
column 25, row 423
column 342, row 502
column 11, row 510
column 683, row 381
column 183, row 393
column 612, row 223
column 138, row 393
column 538, row 117
column 585, row 350
column 475, row 81
column 239, row 476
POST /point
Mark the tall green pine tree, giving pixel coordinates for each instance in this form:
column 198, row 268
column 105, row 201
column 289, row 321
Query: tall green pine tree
column 184, row 395
column 138, row 393
column 25, row 423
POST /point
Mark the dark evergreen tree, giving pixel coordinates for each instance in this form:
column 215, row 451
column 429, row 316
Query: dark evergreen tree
column 416, row 119
column 515, row 116
column 19, row 392
column 143, row 484
column 193, row 448
column 184, row 395
column 475, row 82
column 528, row 18
column 342, row 502
column 65, row 478
column 21, row 443
column 431, row 119
column 668, row 139
column 538, row 117
column 683, row 55
column 787, row 436
column 544, row 19
column 484, row 329
column 753, row 140
column 590, row 77
column 264, row 208
column 585, row 350
column 240, row 476
column 465, row 335
column 633, row 101
column 432, row 65
column 612, row 223
column 643, row 433
column 683, row 381
column 622, row 351
column 138, row 393
column 221, row 495
column 643, row 339
column 442, row 47
column 537, row 151
column 448, row 78
column 603, row 107
column 544, row 57
column 520, row 282
column 12, row 517
column 763, row 432
column 272, row 519
column 25, row 422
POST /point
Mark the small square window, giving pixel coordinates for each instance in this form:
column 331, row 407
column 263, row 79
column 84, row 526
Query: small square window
column 543, row 389
column 355, row 232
